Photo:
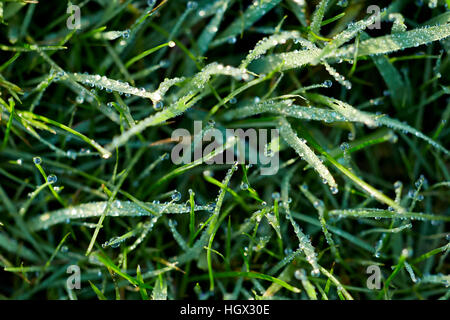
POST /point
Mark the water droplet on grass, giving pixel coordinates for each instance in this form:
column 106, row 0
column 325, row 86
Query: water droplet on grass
column 344, row 146
column 191, row 5
column 328, row 83
column 176, row 196
column 231, row 40
column 315, row 272
column 52, row 178
column 79, row 99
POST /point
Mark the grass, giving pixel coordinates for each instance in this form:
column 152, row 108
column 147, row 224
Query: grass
column 85, row 171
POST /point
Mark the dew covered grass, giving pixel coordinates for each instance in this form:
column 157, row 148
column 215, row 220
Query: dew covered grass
column 87, row 179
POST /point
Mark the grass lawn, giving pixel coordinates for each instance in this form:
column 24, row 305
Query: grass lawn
column 113, row 122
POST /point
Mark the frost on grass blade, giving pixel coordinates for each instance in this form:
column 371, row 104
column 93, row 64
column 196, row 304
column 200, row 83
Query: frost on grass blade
column 352, row 30
column 254, row 219
column 346, row 113
column 397, row 41
column 146, row 228
column 320, row 207
column 102, row 82
column 267, row 43
column 201, row 79
column 118, row 209
column 197, row 83
column 300, row 146
column 293, row 59
column 399, row 22
column 160, row 289
column 346, row 110
column 404, row 128
column 30, row 47
column 317, row 18
column 304, row 241
column 306, row 247
column 380, row 213
column 373, row 120
column 287, row 109
column 338, row 77
column 436, row 278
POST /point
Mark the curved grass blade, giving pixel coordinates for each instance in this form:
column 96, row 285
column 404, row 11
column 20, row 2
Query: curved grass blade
column 196, row 85
column 211, row 29
column 349, row 113
column 394, row 42
column 300, row 146
column 118, row 209
column 380, row 213
column 317, row 19
column 267, row 43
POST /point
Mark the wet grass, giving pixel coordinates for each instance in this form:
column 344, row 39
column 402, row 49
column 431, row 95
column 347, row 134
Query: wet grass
column 86, row 177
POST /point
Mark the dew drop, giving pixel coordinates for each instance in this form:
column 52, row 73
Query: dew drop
column 52, row 178
column 176, row 196
column 79, row 99
column 351, row 136
column 315, row 272
column 191, row 5
column 243, row 186
column 231, row 40
column 158, row 106
column 344, row 146
column 432, row 4
column 125, row 35
column 37, row 160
